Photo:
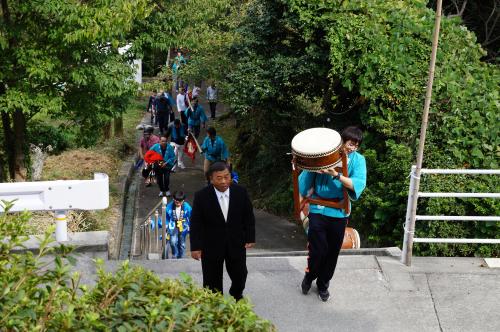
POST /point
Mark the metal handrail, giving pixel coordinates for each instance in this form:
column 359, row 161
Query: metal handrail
column 150, row 240
column 409, row 231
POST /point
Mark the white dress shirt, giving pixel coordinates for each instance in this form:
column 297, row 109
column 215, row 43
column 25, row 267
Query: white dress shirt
column 223, row 199
column 180, row 102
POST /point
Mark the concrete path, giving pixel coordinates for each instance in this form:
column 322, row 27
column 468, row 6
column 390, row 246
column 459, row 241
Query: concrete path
column 369, row 293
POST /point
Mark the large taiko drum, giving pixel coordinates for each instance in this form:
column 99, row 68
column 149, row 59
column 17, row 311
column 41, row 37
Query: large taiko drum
column 315, row 149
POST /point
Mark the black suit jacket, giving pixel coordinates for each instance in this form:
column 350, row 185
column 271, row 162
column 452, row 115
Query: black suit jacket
column 209, row 231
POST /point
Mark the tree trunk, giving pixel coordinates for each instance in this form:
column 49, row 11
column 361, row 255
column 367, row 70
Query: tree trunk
column 118, row 126
column 106, row 130
column 20, row 169
column 8, row 142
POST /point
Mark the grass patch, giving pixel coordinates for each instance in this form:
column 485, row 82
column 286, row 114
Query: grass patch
column 106, row 157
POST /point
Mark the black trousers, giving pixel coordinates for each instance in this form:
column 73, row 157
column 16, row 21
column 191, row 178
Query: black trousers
column 213, row 106
column 325, row 237
column 163, row 122
column 196, row 130
column 163, row 178
column 236, row 268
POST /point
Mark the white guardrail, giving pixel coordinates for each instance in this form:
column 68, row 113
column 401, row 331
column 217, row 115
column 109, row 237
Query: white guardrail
column 59, row 196
column 408, row 236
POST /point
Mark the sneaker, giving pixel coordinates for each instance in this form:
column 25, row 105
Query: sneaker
column 305, row 286
column 168, row 194
column 160, row 194
column 324, row 295
column 182, row 166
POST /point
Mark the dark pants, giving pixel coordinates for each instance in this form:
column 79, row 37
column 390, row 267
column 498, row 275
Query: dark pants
column 163, row 122
column 325, row 237
column 212, row 268
column 213, row 106
column 171, row 117
column 195, row 130
column 163, row 178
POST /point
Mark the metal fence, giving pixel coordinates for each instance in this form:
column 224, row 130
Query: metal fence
column 409, row 238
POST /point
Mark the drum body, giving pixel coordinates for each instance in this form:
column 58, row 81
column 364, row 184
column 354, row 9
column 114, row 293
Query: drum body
column 351, row 239
column 315, row 149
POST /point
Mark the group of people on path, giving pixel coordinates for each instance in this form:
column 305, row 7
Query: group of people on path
column 221, row 222
column 163, row 155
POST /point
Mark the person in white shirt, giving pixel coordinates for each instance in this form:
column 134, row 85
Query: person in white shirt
column 181, row 97
column 196, row 91
column 212, row 99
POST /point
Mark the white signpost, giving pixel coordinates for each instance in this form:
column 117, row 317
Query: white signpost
column 59, row 196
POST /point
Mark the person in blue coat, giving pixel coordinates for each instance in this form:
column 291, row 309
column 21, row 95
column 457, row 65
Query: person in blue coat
column 214, row 148
column 196, row 117
column 327, row 225
column 164, row 167
column 178, row 137
column 178, row 216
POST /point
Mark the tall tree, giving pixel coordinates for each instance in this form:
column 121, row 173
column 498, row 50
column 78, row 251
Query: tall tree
column 61, row 58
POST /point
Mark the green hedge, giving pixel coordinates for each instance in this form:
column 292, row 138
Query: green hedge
column 39, row 293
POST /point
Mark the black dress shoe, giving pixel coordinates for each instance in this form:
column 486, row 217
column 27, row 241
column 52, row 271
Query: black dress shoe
column 305, row 286
column 324, row 295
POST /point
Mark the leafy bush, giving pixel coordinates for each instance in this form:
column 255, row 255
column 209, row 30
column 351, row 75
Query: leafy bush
column 38, row 293
column 45, row 134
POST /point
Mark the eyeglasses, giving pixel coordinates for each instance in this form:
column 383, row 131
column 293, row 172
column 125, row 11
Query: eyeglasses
column 351, row 145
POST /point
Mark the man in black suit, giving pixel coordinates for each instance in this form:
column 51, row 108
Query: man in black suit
column 222, row 228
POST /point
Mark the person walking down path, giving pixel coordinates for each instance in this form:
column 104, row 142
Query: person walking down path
column 164, row 167
column 164, row 113
column 147, row 141
column 222, row 229
column 178, row 216
column 327, row 224
column 171, row 106
column 196, row 117
column 181, row 100
column 177, row 134
column 212, row 99
column 215, row 150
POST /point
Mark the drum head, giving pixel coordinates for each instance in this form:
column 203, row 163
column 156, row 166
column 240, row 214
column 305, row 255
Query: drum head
column 316, row 142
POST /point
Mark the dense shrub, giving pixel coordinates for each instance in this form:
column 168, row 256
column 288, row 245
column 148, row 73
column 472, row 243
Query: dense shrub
column 39, row 293
column 44, row 134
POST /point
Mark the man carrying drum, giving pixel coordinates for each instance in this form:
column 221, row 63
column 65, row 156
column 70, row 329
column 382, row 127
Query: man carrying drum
column 327, row 224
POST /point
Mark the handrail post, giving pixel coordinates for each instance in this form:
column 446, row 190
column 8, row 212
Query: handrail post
column 61, row 226
column 164, row 228
column 409, row 228
column 156, row 235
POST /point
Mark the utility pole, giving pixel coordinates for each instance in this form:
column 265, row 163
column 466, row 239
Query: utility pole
column 415, row 176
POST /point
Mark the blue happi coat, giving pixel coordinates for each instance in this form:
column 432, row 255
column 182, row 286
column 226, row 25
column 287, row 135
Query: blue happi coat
column 197, row 117
column 215, row 150
column 173, row 223
column 168, row 157
column 326, row 187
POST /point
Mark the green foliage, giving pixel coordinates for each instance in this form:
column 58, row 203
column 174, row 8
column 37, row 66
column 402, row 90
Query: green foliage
column 39, row 292
column 298, row 64
column 44, row 134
